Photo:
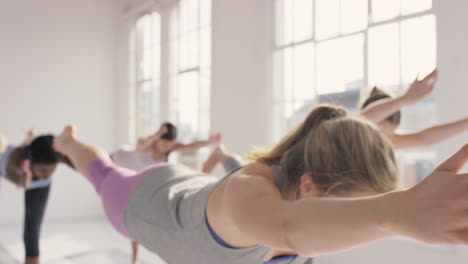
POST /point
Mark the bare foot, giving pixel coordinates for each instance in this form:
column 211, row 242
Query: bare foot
column 215, row 139
column 220, row 153
column 68, row 135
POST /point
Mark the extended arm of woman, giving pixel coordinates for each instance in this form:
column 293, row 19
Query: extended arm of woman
column 214, row 139
column 430, row 136
column 433, row 211
column 380, row 110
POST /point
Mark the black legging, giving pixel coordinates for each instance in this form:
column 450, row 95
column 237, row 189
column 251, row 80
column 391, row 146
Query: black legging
column 35, row 204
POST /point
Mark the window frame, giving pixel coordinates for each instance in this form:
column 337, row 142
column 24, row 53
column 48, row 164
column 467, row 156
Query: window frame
column 137, row 50
column 202, row 71
column 278, row 48
column 281, row 106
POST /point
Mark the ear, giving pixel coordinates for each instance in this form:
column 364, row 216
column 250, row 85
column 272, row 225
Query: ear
column 307, row 187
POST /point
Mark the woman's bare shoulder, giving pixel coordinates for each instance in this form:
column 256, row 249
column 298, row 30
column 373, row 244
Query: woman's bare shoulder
column 258, row 169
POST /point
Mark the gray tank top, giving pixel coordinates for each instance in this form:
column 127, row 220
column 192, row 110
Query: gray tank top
column 166, row 214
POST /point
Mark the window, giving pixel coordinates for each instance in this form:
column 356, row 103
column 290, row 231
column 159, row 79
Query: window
column 190, row 68
column 333, row 50
column 145, row 72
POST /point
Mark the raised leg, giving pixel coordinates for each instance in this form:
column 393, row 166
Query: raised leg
column 79, row 153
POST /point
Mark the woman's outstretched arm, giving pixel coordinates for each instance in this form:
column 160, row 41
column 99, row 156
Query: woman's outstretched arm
column 380, row 110
column 430, row 136
column 433, row 211
column 214, row 139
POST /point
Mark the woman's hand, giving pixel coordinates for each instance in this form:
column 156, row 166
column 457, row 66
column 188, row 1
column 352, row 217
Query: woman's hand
column 215, row 138
column 436, row 210
column 30, row 136
column 163, row 130
column 144, row 144
column 421, row 89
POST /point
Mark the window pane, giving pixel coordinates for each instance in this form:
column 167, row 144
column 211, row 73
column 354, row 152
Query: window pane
column 353, row 15
column 288, row 71
column 303, row 19
column 188, row 104
column 205, row 47
column 385, row 9
column 173, row 99
column 280, row 120
column 413, row 6
column 156, row 47
column 205, row 124
column 146, row 109
column 174, row 23
column 284, row 28
column 132, row 58
column 327, row 18
column 283, row 77
column 188, row 15
column 304, row 72
column 418, row 47
column 205, row 97
column 205, row 12
column 144, row 27
column 174, row 55
column 183, row 17
column 146, row 65
column 156, row 34
column 287, row 110
column 157, row 63
column 383, row 66
column 340, row 65
column 301, row 110
column 278, row 75
column 189, row 51
column 193, row 49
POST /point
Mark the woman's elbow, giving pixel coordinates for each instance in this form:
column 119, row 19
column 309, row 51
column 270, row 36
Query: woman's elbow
column 297, row 240
column 293, row 239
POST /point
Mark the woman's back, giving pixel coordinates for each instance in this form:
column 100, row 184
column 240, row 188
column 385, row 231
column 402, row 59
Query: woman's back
column 166, row 213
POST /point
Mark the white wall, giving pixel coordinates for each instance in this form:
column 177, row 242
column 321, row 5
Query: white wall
column 241, row 84
column 452, row 57
column 57, row 60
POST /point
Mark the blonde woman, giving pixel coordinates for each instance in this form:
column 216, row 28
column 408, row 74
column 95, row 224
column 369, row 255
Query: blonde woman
column 318, row 191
